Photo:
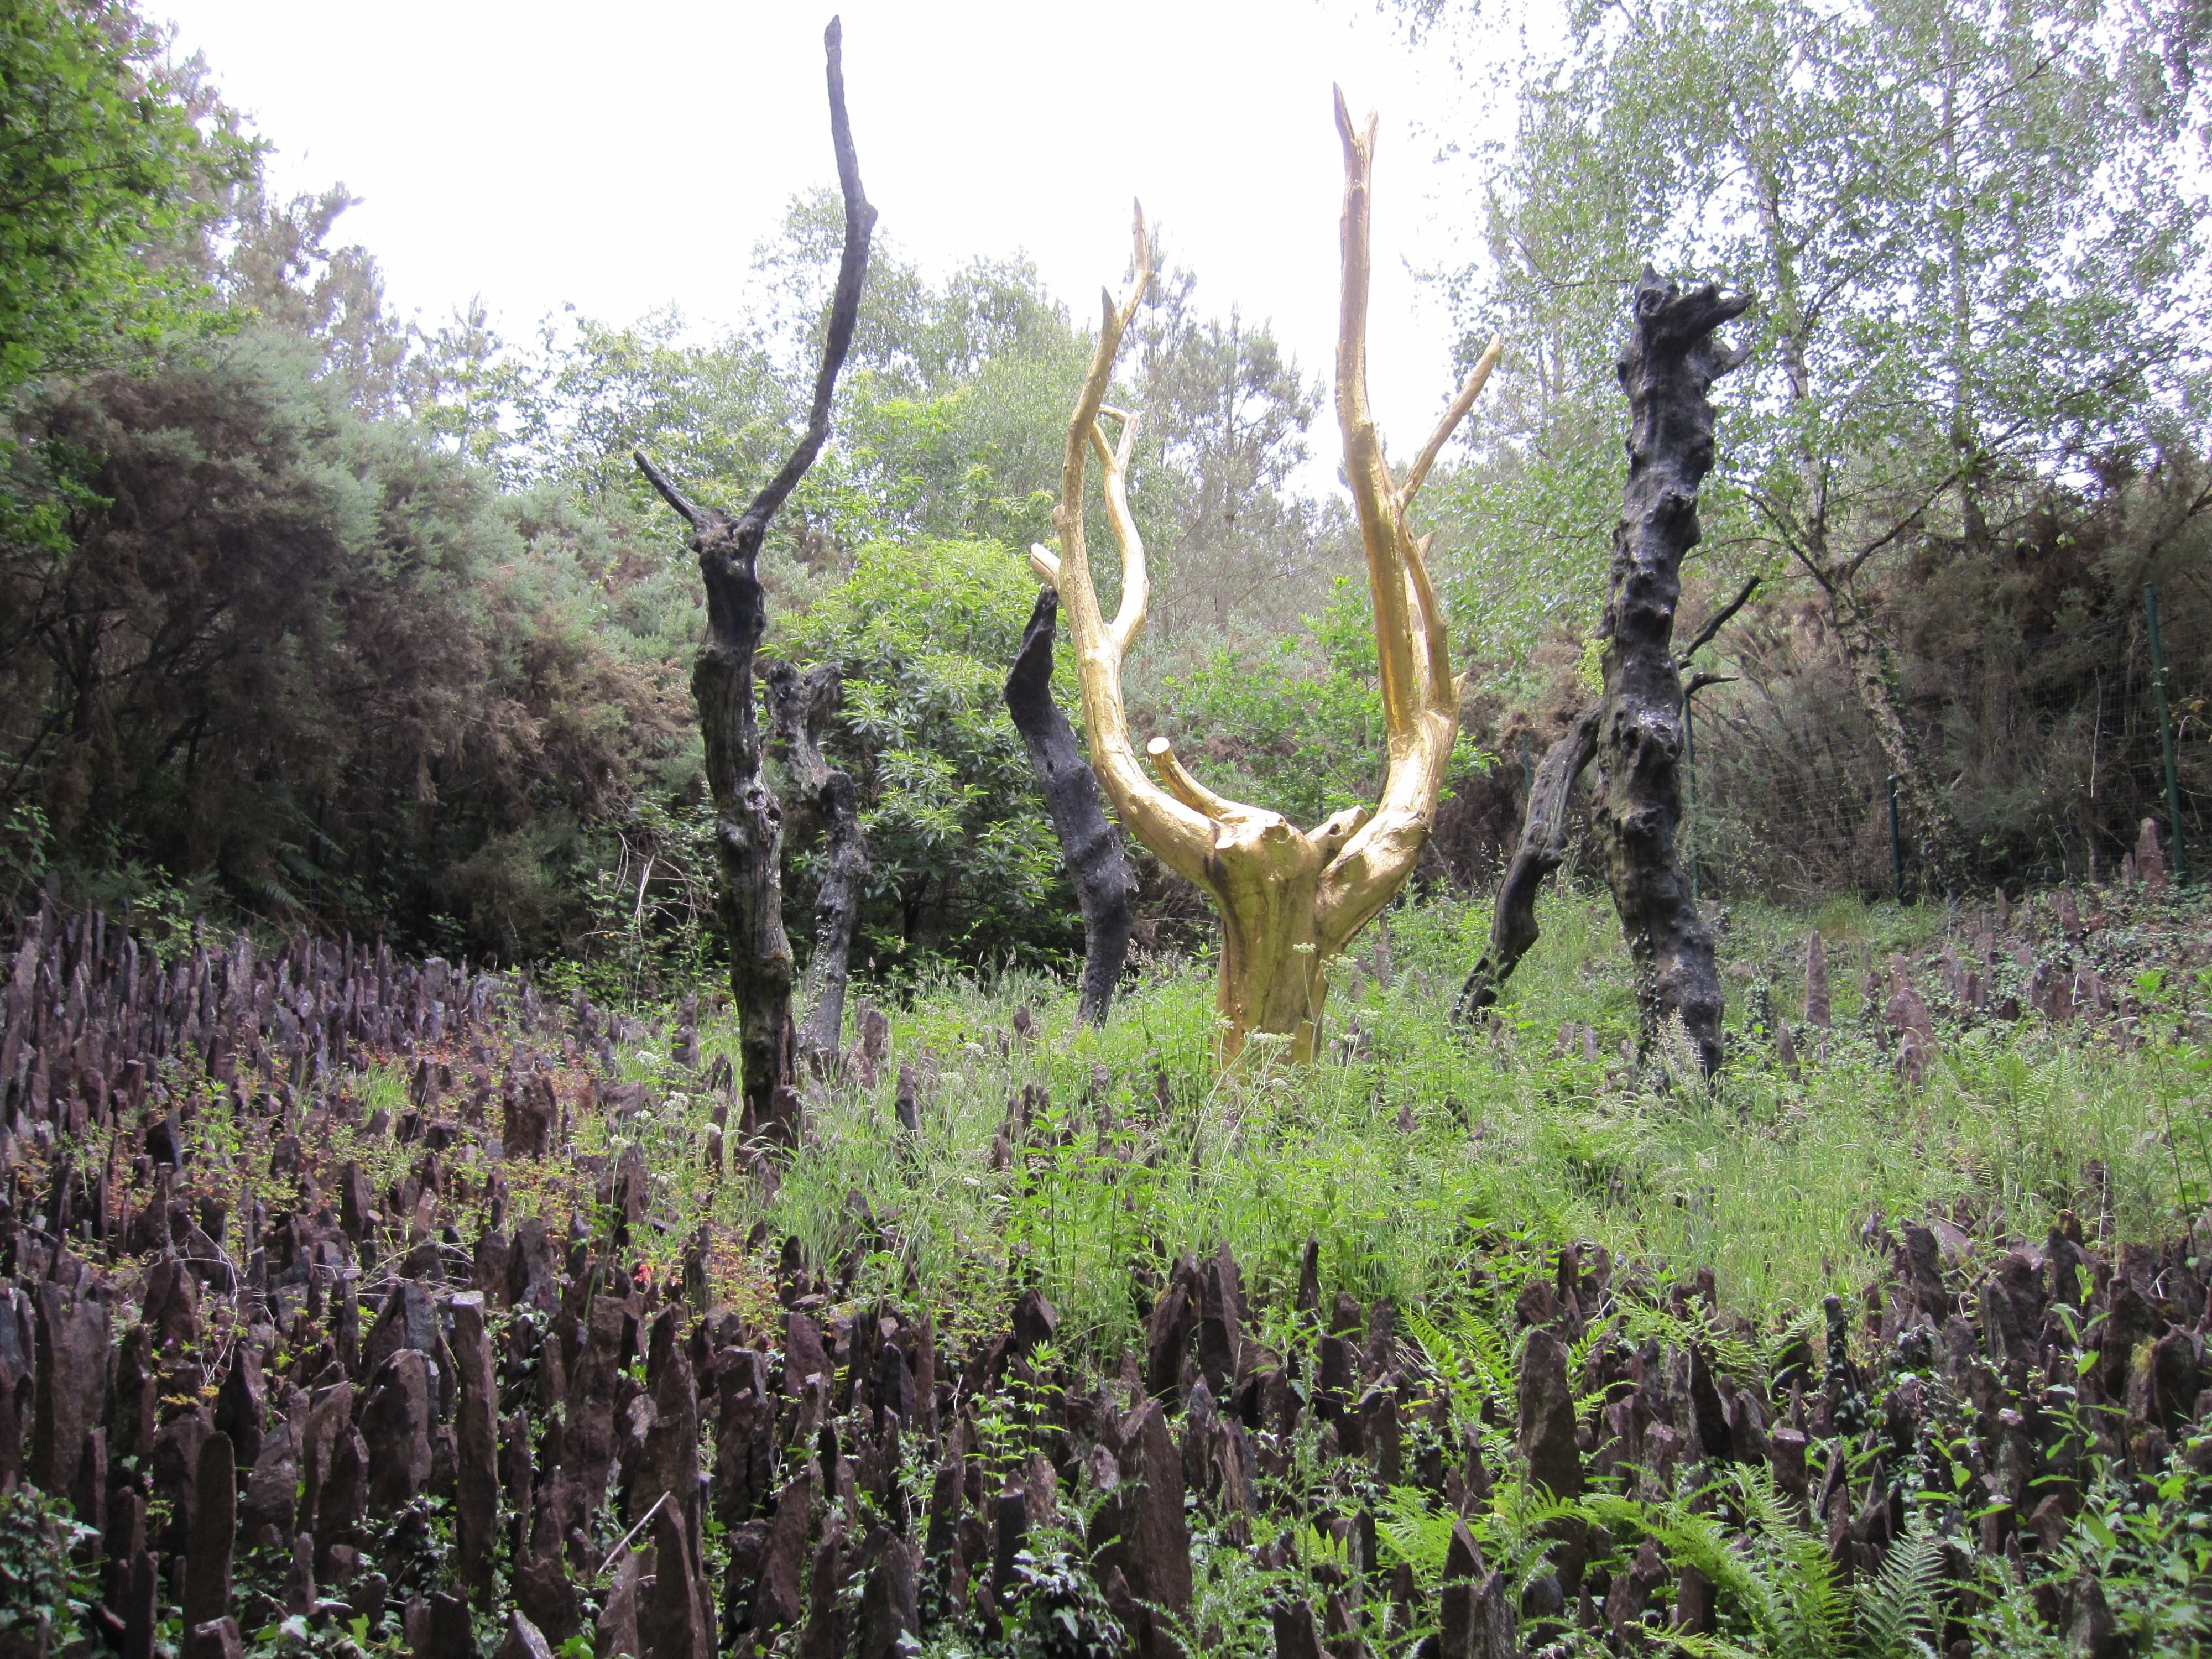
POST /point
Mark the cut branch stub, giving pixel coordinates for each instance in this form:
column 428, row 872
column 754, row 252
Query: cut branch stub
column 1290, row 899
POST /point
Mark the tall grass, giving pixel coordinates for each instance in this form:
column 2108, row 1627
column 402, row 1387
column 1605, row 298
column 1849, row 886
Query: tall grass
column 1414, row 1148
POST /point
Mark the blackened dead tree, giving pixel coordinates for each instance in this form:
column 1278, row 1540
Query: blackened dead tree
column 1634, row 732
column 1670, row 365
column 798, row 704
column 748, row 818
column 1543, row 849
column 1104, row 883
column 1544, row 832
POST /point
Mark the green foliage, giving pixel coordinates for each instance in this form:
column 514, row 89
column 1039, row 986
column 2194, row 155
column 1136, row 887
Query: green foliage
column 1779, row 1596
column 113, row 154
column 961, row 859
column 1224, row 414
column 2147, row 1534
column 1299, row 740
column 713, row 415
column 1768, row 1178
column 38, row 1586
column 1967, row 425
column 316, row 637
column 1058, row 1611
column 1964, row 224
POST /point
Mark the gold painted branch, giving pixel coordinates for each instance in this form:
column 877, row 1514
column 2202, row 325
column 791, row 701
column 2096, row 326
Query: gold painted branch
column 1290, row 899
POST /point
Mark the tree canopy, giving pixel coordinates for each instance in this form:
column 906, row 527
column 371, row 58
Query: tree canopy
column 307, row 608
column 112, row 157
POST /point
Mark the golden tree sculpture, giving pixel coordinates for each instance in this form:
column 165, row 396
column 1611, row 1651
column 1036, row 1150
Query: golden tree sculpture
column 1290, row 899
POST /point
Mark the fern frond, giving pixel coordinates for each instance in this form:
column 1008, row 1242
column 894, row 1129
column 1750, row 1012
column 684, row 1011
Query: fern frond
column 1803, row 1326
column 1415, row 1534
column 1488, row 1357
column 1896, row 1612
column 1746, row 1581
column 1707, row 1647
column 1578, row 1353
column 1521, row 1528
column 1443, row 1355
column 1727, row 1351
column 1815, row 1605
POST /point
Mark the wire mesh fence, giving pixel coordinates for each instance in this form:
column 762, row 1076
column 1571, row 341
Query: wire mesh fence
column 2051, row 752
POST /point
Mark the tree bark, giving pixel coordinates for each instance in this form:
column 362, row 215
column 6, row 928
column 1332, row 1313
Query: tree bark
column 1088, row 841
column 1670, row 364
column 1543, row 848
column 796, row 705
column 748, row 818
column 1942, row 843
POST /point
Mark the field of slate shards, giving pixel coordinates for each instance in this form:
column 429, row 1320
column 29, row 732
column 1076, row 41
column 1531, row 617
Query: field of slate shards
column 253, row 1401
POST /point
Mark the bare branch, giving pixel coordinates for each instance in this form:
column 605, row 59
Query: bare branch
column 1136, row 579
column 1373, row 495
column 1443, row 694
column 1720, row 619
column 845, row 307
column 1180, row 835
column 669, row 493
column 1475, row 381
column 1420, row 693
column 1186, row 788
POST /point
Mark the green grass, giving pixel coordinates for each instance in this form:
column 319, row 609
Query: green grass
column 1766, row 1178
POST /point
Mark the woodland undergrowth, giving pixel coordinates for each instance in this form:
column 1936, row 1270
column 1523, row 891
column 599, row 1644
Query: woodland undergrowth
column 1412, row 1148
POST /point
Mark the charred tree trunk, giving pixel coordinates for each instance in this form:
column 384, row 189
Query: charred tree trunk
column 1104, row 883
column 1543, row 846
column 748, row 818
column 1544, row 832
column 1670, row 364
column 796, row 705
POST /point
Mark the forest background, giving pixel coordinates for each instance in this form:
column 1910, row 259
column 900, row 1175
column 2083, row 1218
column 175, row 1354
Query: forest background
column 309, row 611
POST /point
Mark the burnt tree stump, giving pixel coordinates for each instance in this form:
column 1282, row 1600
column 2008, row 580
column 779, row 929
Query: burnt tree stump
column 1090, row 841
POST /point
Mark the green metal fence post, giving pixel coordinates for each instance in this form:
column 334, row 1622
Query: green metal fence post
column 2165, row 736
column 1896, row 846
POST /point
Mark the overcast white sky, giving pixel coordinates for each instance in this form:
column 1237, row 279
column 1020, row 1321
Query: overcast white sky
column 619, row 159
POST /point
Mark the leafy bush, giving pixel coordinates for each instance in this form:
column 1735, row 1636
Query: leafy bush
column 38, row 1586
column 962, row 861
column 1297, row 727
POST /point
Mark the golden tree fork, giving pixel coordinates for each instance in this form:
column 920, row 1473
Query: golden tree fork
column 1290, row 899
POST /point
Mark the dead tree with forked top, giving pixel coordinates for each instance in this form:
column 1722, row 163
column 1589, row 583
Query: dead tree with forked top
column 748, row 818
column 1290, row 899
